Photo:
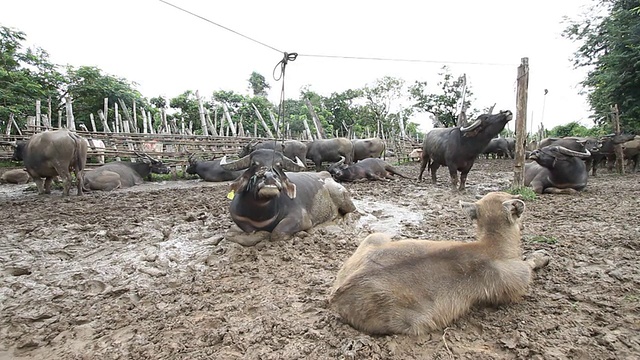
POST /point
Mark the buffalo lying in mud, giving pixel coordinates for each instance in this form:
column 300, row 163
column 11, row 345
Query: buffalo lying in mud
column 458, row 147
column 211, row 170
column 267, row 202
column 290, row 148
column 123, row 174
column 15, row 176
column 417, row 286
column 366, row 169
column 556, row 170
column 49, row 154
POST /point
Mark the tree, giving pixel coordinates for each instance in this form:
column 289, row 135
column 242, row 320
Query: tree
column 609, row 38
column 25, row 76
column 446, row 105
column 258, row 84
column 88, row 88
column 381, row 99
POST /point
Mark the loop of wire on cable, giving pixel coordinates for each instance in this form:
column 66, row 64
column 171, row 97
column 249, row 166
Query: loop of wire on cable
column 283, row 65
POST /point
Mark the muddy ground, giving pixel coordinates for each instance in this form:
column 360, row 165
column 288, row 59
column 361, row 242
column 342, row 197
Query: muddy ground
column 145, row 273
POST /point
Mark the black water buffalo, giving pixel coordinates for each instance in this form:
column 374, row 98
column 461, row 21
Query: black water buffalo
column 123, row 174
column 368, row 148
column 290, row 148
column 53, row 153
column 365, row 169
column 211, row 170
column 267, row 202
column 498, row 147
column 579, row 144
column 556, row 170
column 458, row 147
column 607, row 150
column 331, row 150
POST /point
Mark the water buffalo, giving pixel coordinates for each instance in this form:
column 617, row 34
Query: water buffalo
column 123, row 174
column 631, row 151
column 331, row 150
column 211, row 170
column 267, row 202
column 15, row 176
column 415, row 155
column 417, row 286
column 368, row 148
column 607, row 150
column 366, row 169
column 53, row 153
column 458, row 147
column 579, row 144
column 290, row 148
column 498, row 147
column 556, row 170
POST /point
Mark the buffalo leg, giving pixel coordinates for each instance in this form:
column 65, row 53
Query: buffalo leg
column 291, row 225
column 423, row 165
column 433, row 168
column 47, row 185
column 453, row 172
column 463, row 180
column 553, row 190
column 80, row 180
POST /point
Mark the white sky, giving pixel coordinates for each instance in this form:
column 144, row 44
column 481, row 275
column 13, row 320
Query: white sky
column 167, row 51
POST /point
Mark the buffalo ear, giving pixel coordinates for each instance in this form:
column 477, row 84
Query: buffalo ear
column 239, row 184
column 514, row 207
column 290, row 189
column 470, row 209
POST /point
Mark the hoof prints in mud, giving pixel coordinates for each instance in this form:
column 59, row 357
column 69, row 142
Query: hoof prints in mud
column 145, row 273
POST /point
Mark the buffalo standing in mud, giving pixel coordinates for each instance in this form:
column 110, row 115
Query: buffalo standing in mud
column 290, row 148
column 458, row 147
column 499, row 147
column 211, row 170
column 123, row 174
column 607, row 150
column 53, row 153
column 556, row 170
column 267, row 202
column 331, row 150
column 368, row 148
column 417, row 286
column 366, row 169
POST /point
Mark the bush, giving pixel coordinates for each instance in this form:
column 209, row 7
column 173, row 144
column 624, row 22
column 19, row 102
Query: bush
column 526, row 193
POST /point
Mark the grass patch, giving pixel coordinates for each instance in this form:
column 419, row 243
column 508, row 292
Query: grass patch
column 526, row 193
column 632, row 298
column 10, row 164
column 540, row 239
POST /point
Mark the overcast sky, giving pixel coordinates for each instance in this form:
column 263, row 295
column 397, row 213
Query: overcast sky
column 167, row 51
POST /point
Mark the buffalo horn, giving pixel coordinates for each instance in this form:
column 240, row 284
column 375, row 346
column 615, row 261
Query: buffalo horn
column 145, row 155
column 290, row 165
column 563, row 150
column 472, row 126
column 239, row 164
column 340, row 162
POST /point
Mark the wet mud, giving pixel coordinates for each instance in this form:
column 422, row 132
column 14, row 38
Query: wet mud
column 146, row 273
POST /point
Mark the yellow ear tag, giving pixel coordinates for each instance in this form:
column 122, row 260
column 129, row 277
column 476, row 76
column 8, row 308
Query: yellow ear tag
column 230, row 195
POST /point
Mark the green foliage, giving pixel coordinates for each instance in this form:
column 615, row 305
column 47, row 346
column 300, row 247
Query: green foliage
column 88, row 87
column 525, row 192
column 258, row 84
column 25, row 76
column 541, row 239
column 445, row 105
column 576, row 129
column 609, row 38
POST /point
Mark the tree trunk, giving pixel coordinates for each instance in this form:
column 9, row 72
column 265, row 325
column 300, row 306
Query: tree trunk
column 521, row 121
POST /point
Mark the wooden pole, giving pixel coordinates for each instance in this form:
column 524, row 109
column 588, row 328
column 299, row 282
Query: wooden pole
column 264, row 123
column 103, row 119
column 38, row 115
column 203, row 120
column 49, row 122
column 232, row 126
column 210, row 126
column 521, row 122
column 615, row 118
column 144, row 122
column 93, row 122
column 316, row 120
column 275, row 125
column 71, row 124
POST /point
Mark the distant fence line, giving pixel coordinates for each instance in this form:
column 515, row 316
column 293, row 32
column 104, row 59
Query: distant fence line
column 175, row 149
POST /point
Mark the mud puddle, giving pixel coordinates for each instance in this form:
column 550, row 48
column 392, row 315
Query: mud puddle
column 379, row 216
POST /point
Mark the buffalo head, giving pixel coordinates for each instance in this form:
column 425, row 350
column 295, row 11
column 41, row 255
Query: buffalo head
column 265, row 173
column 549, row 155
column 336, row 169
column 157, row 167
column 19, row 148
column 489, row 124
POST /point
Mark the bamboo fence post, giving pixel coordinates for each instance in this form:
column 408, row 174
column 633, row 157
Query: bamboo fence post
column 232, row 126
column 49, row 115
column 115, row 117
column 316, row 120
column 210, row 125
column 144, row 122
column 103, row 119
column 203, row 120
column 38, row 115
column 275, row 125
column 71, row 124
column 93, row 122
column 264, row 123
column 521, row 121
column 135, row 117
